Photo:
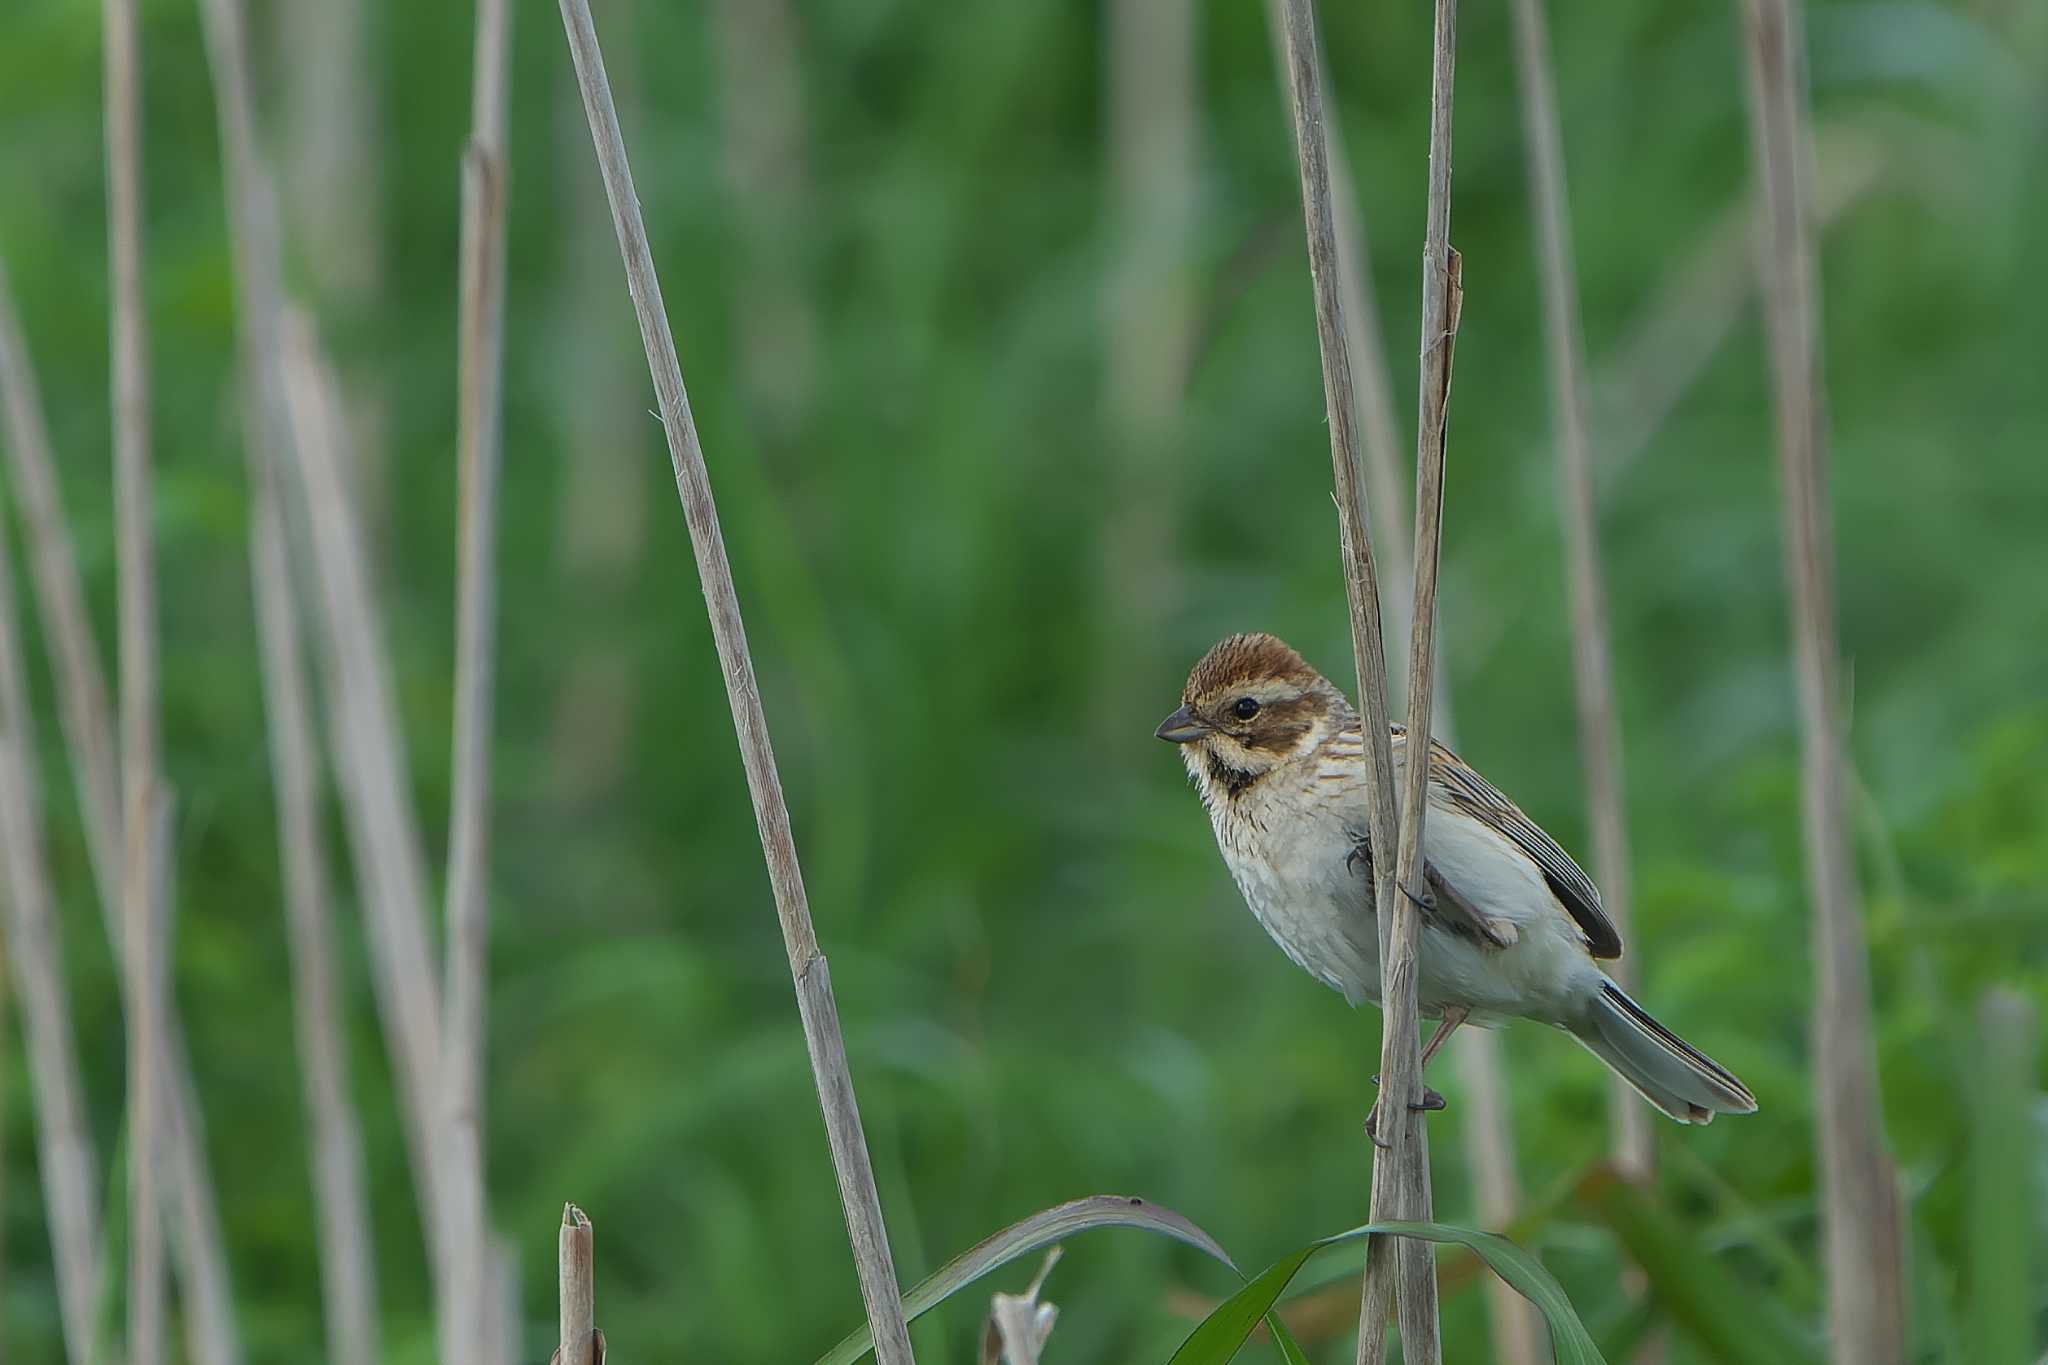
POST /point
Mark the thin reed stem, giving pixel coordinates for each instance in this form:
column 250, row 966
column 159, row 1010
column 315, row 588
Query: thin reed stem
column 348, row 1276
column 865, row 1228
column 66, row 1158
column 1400, row 1174
column 292, row 436
column 210, row 1329
column 143, row 966
column 1859, row 1185
column 469, row 1267
column 1592, row 651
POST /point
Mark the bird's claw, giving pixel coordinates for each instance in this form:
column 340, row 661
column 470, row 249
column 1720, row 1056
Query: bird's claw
column 1431, row 1101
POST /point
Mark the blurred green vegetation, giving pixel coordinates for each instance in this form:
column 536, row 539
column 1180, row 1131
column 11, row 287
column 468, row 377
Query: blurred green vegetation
column 1049, row 986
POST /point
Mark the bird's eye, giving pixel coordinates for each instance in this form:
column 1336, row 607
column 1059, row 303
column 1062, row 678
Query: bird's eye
column 1246, row 708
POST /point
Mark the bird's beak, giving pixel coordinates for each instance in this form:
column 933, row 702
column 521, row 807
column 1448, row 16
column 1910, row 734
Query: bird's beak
column 1181, row 728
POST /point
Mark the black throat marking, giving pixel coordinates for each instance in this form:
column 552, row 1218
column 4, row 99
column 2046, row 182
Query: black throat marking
column 1232, row 780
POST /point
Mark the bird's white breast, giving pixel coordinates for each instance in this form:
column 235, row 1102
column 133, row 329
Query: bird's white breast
column 1288, row 841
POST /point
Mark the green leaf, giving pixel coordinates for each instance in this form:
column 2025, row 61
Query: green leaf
column 1732, row 1321
column 1042, row 1229
column 1222, row 1334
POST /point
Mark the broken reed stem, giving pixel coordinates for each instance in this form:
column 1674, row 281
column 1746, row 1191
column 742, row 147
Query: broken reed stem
column 1592, row 651
column 1401, row 1171
column 348, row 1279
column 468, row 1268
column 290, row 430
column 576, row 1258
column 1860, row 1190
column 865, row 1228
column 66, row 1159
column 1405, row 1192
column 143, row 965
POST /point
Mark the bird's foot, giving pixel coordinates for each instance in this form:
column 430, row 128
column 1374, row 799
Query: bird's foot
column 1430, row 1102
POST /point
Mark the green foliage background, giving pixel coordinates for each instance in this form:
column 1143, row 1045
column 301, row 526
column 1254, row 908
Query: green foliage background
column 1049, row 986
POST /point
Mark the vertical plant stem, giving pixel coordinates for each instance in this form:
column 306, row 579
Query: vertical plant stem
column 856, row 1176
column 1149, row 51
column 576, row 1258
column 291, row 428
column 143, row 965
column 210, row 1327
column 1394, row 1170
column 1489, row 1145
column 467, row 1326
column 348, row 1277
column 1406, row 1187
column 1592, row 651
column 1859, row 1186
column 35, row 955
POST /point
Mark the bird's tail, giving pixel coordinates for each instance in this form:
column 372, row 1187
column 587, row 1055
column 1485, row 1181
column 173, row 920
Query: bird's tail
column 1666, row 1070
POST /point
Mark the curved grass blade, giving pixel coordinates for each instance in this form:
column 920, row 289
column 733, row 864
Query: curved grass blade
column 1222, row 1334
column 1042, row 1229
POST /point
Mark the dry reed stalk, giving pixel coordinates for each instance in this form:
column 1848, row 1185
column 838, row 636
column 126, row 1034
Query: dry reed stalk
column 1404, row 1192
column 467, row 1325
column 576, row 1259
column 865, row 1229
column 1148, row 312
column 292, row 430
column 1401, row 1173
column 1592, row 652
column 1490, row 1144
column 369, row 759
column 348, row 1278
column 210, row 1329
column 1859, row 1186
column 35, row 955
column 144, row 970
column 762, row 108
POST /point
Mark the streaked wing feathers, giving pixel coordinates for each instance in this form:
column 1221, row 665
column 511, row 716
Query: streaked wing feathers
column 1467, row 790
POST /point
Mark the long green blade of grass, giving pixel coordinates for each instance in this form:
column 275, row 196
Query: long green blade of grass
column 1222, row 1334
column 1042, row 1229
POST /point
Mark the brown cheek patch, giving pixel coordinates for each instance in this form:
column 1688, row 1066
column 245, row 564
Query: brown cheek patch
column 1280, row 727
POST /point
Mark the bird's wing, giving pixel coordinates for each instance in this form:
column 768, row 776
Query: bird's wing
column 1467, row 791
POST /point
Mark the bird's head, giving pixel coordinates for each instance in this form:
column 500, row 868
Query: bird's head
column 1251, row 705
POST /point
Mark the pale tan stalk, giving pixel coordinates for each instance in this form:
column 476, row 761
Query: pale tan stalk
column 1489, row 1136
column 1401, row 1173
column 210, row 1328
column 762, row 109
column 576, row 1265
column 1148, row 318
column 467, row 1323
column 1859, row 1184
column 348, row 1277
column 291, row 430
column 35, row 955
column 143, row 967
column 1592, row 651
column 868, row 1235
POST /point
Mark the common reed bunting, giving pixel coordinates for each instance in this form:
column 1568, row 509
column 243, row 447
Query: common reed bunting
column 1510, row 927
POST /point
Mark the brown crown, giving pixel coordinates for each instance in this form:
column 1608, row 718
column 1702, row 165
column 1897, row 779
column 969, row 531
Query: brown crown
column 1240, row 659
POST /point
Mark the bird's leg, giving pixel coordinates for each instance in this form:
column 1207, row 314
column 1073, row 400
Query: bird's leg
column 1452, row 1017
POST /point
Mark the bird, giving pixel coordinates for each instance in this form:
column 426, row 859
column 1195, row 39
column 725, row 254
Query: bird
column 1511, row 927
